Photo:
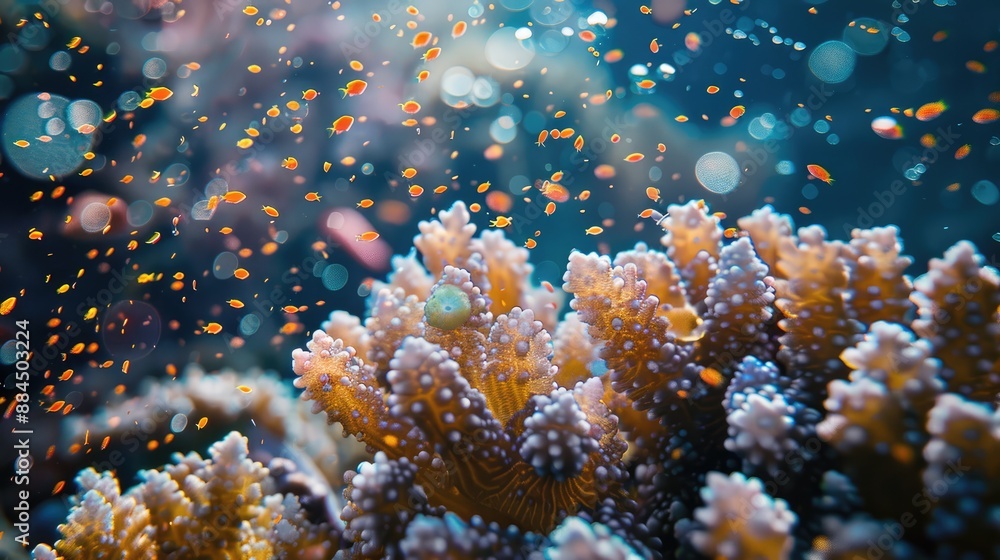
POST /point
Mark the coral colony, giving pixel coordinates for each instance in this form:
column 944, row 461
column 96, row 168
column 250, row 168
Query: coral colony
column 779, row 395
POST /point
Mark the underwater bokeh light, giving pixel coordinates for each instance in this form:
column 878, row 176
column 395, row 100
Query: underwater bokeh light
column 573, row 278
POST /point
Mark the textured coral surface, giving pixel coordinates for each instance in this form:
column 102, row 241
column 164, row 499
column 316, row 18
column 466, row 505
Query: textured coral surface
column 780, row 395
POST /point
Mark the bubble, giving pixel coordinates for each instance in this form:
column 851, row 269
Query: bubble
column 225, row 265
column 83, row 112
column 62, row 155
column 758, row 129
column 6, row 87
column 176, row 174
column 55, row 126
column 216, row 187
column 457, row 81
column 552, row 42
column 11, row 59
column 655, row 174
column 334, row 277
column 887, row 127
column 59, row 61
column 506, row 52
column 485, row 92
column 502, row 130
column 131, row 329
column 821, row 126
column 551, row 12
column 858, row 35
column 522, row 33
column 201, row 212
column 785, row 167
column 178, row 422
column 95, row 217
column 809, row 191
column 8, row 352
column 597, row 18
column 476, row 10
column 154, row 68
column 129, row 101
column 139, row 213
column 832, row 62
column 986, row 193
column 249, row 324
column 667, row 72
column 717, row 172
column 34, row 36
column 367, row 169
column 833, row 139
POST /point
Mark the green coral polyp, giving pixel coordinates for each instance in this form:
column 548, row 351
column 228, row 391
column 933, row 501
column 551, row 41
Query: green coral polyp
column 448, row 308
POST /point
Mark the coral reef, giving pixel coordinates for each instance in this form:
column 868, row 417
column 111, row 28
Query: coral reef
column 780, row 395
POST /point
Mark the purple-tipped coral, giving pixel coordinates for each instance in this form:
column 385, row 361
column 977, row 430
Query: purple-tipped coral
column 761, row 398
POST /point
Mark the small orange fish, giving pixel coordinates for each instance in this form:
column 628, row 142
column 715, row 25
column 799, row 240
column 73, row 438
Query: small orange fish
column 646, row 84
column 634, row 157
column 431, row 54
column 550, row 208
column 458, row 29
column 159, row 93
column 423, row 75
column 366, row 203
column 290, row 163
column 501, row 222
column 820, row 173
column 594, row 230
column 615, row 138
column 213, row 328
column 354, row 87
column 341, row 125
column 653, row 193
column 367, row 236
column 542, row 136
column 309, row 94
column 410, row 107
column 416, row 190
column 409, row 173
column 931, row 111
column 578, row 143
column 985, row 116
column 270, row 211
column 313, row 197
column 654, row 47
column 421, row 39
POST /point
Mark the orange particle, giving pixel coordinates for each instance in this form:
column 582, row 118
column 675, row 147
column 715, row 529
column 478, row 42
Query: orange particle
column 940, row 36
column 646, row 84
column 8, row 305
column 440, row 189
column 475, row 207
column 501, row 222
column 646, row 213
column 376, row 18
column 290, row 309
column 584, row 195
column 613, row 56
column 963, row 151
column 604, row 171
column 499, row 202
column 483, row 187
column 554, row 191
column 820, row 173
column 412, row 10
column 234, row 197
column 594, row 230
column 588, row 35
column 730, row 233
column 290, row 163
column 162, row 202
column 410, row 107
column 159, row 93
column 550, row 208
column 661, row 147
column 367, row 236
column 458, row 29
column 556, row 177
column 928, row 140
column 737, row 111
column 126, row 179
column 542, row 136
column 357, row 66
column 270, row 211
column 931, row 111
column 653, row 193
column 615, row 138
column 711, row 377
column 35, row 235
column 354, row 87
column 681, row 118
column 235, row 304
column 241, row 274
column 244, row 388
column 416, row 190
column 313, row 197
column 634, row 157
column 567, row 132
column 805, row 210
column 976, row 66
column 366, row 203
column 22, row 143
column 410, row 122
column 213, row 328
column 341, row 125
column 990, row 46
column 578, row 143
column 654, row 47
column 421, row 39
column 431, row 53
column 985, row 116
column 712, row 90
column 273, row 112
column 953, row 187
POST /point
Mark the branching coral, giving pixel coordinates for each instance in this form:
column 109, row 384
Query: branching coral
column 759, row 398
column 221, row 507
